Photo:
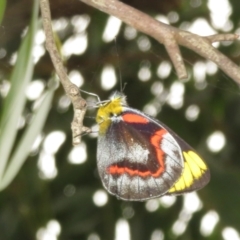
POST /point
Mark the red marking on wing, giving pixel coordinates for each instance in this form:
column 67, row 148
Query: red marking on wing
column 155, row 141
column 134, row 118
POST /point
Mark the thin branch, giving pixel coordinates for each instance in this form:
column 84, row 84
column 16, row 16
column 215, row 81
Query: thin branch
column 72, row 91
column 171, row 37
column 222, row 37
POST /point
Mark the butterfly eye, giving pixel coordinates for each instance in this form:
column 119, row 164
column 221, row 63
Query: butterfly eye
column 112, row 115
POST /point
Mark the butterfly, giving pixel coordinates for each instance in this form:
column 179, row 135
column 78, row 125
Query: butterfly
column 140, row 158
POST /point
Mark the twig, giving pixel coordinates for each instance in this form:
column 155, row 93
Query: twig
column 72, row 91
column 171, row 37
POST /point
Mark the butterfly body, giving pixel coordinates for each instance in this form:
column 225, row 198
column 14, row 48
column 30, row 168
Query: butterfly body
column 140, row 158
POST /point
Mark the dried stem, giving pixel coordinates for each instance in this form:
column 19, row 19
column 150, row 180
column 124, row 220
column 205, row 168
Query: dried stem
column 72, row 91
column 171, row 37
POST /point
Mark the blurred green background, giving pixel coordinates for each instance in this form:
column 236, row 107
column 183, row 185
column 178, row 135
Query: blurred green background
column 57, row 193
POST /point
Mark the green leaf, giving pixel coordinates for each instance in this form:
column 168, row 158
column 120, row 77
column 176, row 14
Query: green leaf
column 30, row 134
column 2, row 9
column 15, row 101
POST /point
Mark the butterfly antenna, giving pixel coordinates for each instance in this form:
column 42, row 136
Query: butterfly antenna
column 119, row 68
column 91, row 94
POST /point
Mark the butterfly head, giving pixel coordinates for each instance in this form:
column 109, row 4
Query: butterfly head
column 108, row 109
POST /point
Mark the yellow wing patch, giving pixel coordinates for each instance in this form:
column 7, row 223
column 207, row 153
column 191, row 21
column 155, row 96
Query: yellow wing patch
column 195, row 174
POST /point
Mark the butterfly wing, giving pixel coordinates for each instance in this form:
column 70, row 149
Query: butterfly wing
column 138, row 158
column 195, row 174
